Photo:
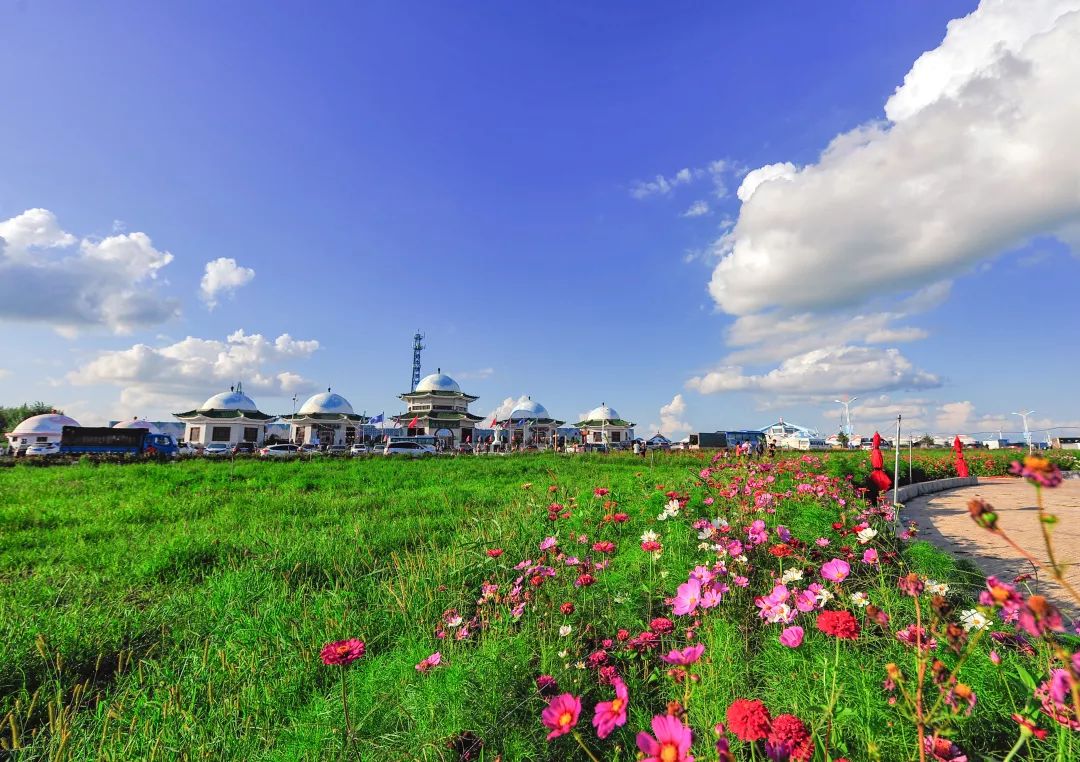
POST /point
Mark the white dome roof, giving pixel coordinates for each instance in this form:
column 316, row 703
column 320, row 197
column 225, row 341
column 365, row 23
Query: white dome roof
column 530, row 409
column 137, row 424
column 602, row 413
column 326, row 402
column 230, row 401
column 50, row 423
column 438, row 382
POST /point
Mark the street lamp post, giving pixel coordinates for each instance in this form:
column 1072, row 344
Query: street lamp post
column 846, row 421
column 1027, row 432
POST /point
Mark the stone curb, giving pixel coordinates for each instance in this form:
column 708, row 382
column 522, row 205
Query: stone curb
column 909, row 491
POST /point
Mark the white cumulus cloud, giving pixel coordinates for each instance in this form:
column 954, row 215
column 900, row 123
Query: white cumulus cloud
column 672, row 414
column 49, row 276
column 223, row 276
column 187, row 371
column 697, row 209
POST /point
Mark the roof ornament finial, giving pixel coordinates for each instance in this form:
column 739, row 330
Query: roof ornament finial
column 438, row 370
column 232, row 388
column 328, row 390
column 239, row 387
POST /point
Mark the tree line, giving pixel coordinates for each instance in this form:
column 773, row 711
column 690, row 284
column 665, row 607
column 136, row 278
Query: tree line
column 10, row 417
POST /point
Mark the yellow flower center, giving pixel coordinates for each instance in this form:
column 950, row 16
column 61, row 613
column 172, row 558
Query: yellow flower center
column 669, row 753
column 565, row 718
column 616, row 704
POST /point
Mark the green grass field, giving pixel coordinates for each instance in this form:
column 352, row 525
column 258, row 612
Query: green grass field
column 176, row 611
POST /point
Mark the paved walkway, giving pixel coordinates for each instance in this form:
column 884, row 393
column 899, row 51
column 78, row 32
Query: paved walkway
column 943, row 520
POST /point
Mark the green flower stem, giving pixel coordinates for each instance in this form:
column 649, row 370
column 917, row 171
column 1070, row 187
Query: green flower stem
column 584, row 748
column 1015, row 748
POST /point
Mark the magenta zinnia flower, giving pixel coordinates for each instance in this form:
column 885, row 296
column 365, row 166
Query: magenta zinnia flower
column 611, row 714
column 561, row 714
column 342, row 652
column 836, row 570
column 429, row 662
column 686, row 656
column 671, row 744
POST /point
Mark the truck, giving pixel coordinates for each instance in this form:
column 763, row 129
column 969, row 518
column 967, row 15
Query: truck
column 91, row 440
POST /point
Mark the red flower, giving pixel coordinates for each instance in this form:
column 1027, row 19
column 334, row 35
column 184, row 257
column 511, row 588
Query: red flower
column 567, row 608
column 661, row 625
column 789, row 738
column 601, row 491
column 495, row 552
column 839, row 624
column 780, row 551
column 604, row 546
column 621, row 517
column 342, row 652
column 748, row 719
column 650, row 546
column 585, row 580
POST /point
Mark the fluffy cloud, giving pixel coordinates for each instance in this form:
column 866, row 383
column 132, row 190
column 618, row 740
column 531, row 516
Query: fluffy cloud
column 979, row 156
column 822, row 371
column 188, row 371
column 109, row 282
column 671, row 423
column 4, row 373
column 697, row 209
column 506, row 407
column 663, row 186
column 223, row 276
column 975, row 156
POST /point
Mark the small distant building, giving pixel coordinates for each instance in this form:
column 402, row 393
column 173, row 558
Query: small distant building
column 325, row 419
column 718, row 440
column 230, row 417
column 658, row 441
column 1065, row 443
column 39, row 429
column 792, row 436
column 530, row 424
column 440, row 409
column 137, row 423
column 603, row 425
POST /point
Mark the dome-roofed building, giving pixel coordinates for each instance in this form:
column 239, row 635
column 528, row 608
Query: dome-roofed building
column 440, row 409
column 530, row 425
column 137, row 423
column 325, row 418
column 604, row 425
column 230, row 417
column 39, row 429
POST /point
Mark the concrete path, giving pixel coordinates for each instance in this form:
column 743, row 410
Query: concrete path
column 943, row 520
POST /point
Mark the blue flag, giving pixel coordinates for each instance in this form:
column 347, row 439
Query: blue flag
column 376, row 419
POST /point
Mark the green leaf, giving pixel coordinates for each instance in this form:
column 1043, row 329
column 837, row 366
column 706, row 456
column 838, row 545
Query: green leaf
column 1025, row 677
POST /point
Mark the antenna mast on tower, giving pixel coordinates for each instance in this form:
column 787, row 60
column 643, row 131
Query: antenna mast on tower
column 417, row 346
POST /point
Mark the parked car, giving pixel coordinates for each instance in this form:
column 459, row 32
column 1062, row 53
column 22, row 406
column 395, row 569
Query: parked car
column 216, row 449
column 408, row 449
column 43, row 448
column 280, row 451
column 186, row 448
column 359, row 449
column 337, row 450
column 244, row 448
column 310, row 449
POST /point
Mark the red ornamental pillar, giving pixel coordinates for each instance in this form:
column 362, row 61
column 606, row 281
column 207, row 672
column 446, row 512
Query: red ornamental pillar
column 961, row 464
column 878, row 477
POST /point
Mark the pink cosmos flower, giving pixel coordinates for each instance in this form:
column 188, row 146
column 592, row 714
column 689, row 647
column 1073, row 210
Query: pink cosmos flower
column 561, row 714
column 870, row 556
column 836, row 570
column 688, row 597
column 792, row 637
column 548, row 542
column 671, row 744
column 601, row 491
column 686, row 656
column 821, row 542
column 757, row 533
column 611, row 714
column 702, row 574
column 429, row 662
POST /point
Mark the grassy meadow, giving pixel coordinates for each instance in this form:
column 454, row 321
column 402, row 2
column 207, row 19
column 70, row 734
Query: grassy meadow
column 177, row 611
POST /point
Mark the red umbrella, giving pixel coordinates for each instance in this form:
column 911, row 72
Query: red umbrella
column 961, row 464
column 878, row 477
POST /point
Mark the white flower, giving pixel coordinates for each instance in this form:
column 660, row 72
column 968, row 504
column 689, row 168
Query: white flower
column 565, row 630
column 823, row 596
column 860, row 599
column 791, row 575
column 973, row 620
column 704, row 546
column 936, row 588
column 580, row 665
column 563, row 654
column 649, row 536
column 663, row 572
column 673, row 506
column 866, row 535
column 620, row 599
column 656, row 555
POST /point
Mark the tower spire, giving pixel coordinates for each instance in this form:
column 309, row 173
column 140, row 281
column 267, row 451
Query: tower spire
column 418, row 346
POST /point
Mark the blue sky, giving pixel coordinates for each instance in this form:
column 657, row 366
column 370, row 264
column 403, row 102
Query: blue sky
column 488, row 173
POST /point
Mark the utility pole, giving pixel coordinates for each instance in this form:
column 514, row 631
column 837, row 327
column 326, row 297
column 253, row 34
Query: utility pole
column 896, row 466
column 1027, row 432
